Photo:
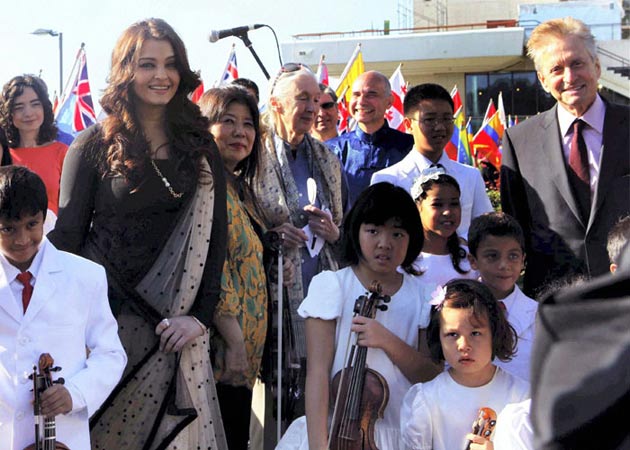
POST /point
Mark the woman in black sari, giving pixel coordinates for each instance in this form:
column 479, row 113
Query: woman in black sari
column 143, row 194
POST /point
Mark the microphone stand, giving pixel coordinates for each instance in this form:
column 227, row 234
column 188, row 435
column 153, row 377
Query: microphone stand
column 245, row 38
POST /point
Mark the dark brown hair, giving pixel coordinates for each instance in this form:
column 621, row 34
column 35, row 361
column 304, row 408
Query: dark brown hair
column 455, row 250
column 10, row 92
column 376, row 205
column 464, row 294
column 22, row 192
column 187, row 130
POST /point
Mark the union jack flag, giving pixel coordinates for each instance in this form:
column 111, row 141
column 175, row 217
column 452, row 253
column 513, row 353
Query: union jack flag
column 76, row 109
column 84, row 114
column 231, row 69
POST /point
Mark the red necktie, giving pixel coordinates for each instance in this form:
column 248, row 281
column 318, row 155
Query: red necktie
column 578, row 162
column 25, row 279
column 503, row 308
column 578, row 156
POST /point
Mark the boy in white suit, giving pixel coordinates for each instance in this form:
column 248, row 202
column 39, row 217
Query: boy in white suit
column 497, row 251
column 50, row 302
column 429, row 118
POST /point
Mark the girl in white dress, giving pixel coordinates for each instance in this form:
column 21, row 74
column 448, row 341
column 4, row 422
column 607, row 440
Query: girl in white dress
column 378, row 236
column 468, row 330
column 443, row 255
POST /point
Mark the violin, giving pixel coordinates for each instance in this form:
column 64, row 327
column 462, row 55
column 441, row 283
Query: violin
column 45, row 428
column 483, row 424
column 360, row 393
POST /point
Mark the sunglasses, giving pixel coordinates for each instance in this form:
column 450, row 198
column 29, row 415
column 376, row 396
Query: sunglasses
column 327, row 105
column 287, row 68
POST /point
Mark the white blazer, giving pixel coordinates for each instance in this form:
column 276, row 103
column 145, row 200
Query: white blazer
column 474, row 199
column 522, row 316
column 68, row 313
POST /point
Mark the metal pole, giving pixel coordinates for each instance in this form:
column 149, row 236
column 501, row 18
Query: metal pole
column 279, row 337
column 60, row 64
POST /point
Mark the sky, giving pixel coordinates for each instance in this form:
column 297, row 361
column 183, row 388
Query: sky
column 99, row 24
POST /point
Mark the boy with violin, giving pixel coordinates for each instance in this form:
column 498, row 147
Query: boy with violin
column 50, row 302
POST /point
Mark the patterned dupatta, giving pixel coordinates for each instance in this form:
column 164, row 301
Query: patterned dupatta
column 166, row 401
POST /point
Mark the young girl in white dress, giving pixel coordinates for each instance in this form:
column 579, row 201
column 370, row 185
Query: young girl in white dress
column 379, row 235
column 443, row 255
column 468, row 329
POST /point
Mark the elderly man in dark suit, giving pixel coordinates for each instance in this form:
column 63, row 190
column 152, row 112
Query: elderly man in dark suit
column 566, row 172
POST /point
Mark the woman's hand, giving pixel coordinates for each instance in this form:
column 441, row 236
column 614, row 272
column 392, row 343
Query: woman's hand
column 292, row 237
column 175, row 332
column 370, row 332
column 321, row 224
column 235, row 365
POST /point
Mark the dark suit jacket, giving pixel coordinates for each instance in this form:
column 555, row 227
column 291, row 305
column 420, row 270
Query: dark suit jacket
column 581, row 367
column 535, row 190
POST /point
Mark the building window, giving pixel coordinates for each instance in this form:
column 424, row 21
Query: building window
column 523, row 96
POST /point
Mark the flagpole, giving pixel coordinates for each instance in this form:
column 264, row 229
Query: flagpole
column 354, row 56
column 72, row 76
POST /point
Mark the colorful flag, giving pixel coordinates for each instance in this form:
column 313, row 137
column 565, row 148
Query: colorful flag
column 198, row 92
column 487, row 141
column 501, row 110
column 344, row 115
column 76, row 111
column 55, row 103
column 395, row 114
column 452, row 147
column 322, row 72
column 353, row 69
column 457, row 100
column 230, row 73
column 490, row 110
column 463, row 147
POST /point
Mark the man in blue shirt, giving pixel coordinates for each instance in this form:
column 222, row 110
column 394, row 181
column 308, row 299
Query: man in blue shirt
column 373, row 145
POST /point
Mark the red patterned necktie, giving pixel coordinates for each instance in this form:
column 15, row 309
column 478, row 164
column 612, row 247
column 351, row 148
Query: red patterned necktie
column 578, row 156
column 578, row 162
column 25, row 279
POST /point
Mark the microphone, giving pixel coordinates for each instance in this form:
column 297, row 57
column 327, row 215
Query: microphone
column 215, row 35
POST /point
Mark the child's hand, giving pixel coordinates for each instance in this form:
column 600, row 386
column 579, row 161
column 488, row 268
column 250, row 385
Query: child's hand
column 56, row 400
column 370, row 332
column 479, row 442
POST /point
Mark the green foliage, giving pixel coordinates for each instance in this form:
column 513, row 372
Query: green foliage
column 495, row 199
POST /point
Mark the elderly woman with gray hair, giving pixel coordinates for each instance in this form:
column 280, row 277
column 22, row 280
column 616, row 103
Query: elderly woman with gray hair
column 308, row 224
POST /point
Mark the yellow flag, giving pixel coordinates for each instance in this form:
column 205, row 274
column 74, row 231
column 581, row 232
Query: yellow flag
column 354, row 68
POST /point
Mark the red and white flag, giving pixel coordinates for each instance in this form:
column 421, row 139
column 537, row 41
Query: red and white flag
column 198, row 92
column 344, row 115
column 395, row 114
column 322, row 72
column 230, row 73
column 457, row 100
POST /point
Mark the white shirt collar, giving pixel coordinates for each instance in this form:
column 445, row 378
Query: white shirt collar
column 11, row 271
column 594, row 117
column 422, row 162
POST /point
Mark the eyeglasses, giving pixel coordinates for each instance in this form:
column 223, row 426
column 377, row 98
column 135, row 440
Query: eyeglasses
column 287, row 68
column 327, row 105
column 432, row 122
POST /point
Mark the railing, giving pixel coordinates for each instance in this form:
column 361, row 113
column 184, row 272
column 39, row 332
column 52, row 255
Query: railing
column 529, row 25
column 428, row 29
column 615, row 57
